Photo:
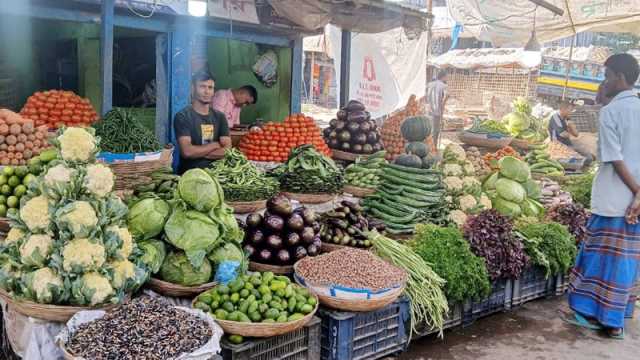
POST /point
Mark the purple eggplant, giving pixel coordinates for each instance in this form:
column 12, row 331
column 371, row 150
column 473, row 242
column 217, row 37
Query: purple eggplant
column 274, row 242
column 280, row 205
column 307, row 235
column 316, row 226
column 256, row 237
column 295, row 222
column 250, row 250
column 274, row 223
column 301, row 252
column 309, row 216
column 254, row 220
column 293, row 239
column 313, row 250
column 283, row 256
column 265, row 256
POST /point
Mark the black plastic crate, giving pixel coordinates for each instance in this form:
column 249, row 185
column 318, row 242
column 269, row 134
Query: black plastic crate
column 365, row 335
column 453, row 319
column 561, row 284
column 301, row 344
column 532, row 285
column 499, row 300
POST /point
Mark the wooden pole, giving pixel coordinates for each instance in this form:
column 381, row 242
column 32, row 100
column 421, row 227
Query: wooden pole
column 429, row 32
column 568, row 70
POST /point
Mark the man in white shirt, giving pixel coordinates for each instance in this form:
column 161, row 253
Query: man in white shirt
column 608, row 264
column 437, row 95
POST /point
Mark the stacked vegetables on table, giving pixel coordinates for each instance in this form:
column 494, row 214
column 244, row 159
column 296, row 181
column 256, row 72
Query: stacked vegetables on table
column 365, row 173
column 309, row 172
column 522, row 124
column 489, row 127
column 541, row 163
column 282, row 235
column 58, row 108
column 392, row 138
column 69, row 243
column 552, row 194
column 275, row 141
column 163, row 185
column 20, row 140
column 573, row 216
column 345, row 225
column 121, row 133
column 512, row 190
column 550, row 246
column 560, row 151
column 417, row 154
column 353, row 131
column 241, row 180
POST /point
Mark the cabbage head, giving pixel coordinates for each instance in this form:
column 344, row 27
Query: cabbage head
column 506, row 208
column 199, row 190
column 490, row 182
column 516, row 122
column 532, row 208
column 514, row 169
column 194, row 232
column 227, row 252
column 177, row 269
column 153, row 254
column 147, row 217
column 533, row 189
column 230, row 230
column 510, row 190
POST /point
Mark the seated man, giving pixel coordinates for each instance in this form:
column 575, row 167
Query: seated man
column 231, row 101
column 561, row 130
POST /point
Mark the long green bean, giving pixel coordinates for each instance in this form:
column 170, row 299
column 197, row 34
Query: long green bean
column 121, row 133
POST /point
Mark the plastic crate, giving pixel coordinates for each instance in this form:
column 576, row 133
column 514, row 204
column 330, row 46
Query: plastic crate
column 365, row 335
column 499, row 300
column 300, row 344
column 453, row 319
column 561, row 284
column 532, row 285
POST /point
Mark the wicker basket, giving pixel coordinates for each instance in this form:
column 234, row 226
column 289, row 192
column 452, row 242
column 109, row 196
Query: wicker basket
column 175, row 290
column 246, row 207
column 278, row 270
column 359, row 305
column 347, row 156
column 483, row 140
column 311, row 198
column 132, row 174
column 358, row 191
column 326, row 247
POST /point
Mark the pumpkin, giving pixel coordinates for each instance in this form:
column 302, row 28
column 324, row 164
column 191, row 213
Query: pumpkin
column 416, row 128
column 428, row 161
column 409, row 161
column 417, row 148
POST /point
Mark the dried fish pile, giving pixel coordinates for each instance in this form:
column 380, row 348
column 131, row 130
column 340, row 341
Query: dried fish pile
column 145, row 328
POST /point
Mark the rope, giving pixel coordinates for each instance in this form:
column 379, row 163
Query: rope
column 147, row 16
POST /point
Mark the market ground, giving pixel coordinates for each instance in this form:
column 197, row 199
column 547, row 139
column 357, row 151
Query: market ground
column 535, row 331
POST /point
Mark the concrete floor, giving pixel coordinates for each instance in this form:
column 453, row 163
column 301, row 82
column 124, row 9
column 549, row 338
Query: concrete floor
column 535, row 331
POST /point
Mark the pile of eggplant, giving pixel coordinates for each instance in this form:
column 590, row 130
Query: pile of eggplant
column 353, row 131
column 283, row 235
column 347, row 225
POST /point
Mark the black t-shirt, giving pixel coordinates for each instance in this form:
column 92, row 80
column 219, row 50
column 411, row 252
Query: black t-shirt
column 203, row 129
column 558, row 125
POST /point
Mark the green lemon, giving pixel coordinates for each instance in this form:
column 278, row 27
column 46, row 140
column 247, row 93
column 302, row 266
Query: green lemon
column 3, row 199
column 12, row 211
column 14, row 181
column 28, row 179
column 8, row 170
column 13, row 202
column 22, row 171
column 6, row 189
column 19, row 190
column 3, row 179
column 3, row 210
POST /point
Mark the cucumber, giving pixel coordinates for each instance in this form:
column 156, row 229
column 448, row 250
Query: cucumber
column 412, row 177
column 406, row 169
column 400, row 181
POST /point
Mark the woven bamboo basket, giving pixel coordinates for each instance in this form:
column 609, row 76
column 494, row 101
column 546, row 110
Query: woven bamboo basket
column 276, row 269
column 326, row 247
column 48, row 312
column 131, row 174
column 246, row 207
column 347, row 156
column 359, row 305
column 358, row 191
column 175, row 290
column 311, row 198
column 482, row 140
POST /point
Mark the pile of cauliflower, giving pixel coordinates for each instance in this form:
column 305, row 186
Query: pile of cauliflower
column 69, row 243
column 464, row 190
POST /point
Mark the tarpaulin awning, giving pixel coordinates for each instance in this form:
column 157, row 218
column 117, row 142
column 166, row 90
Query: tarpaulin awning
column 488, row 58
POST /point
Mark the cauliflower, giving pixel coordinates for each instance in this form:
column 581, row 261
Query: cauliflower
column 99, row 180
column 78, row 217
column 127, row 241
column 467, row 202
column 58, row 175
column 469, row 169
column 485, row 201
column 13, row 236
column 452, row 170
column 458, row 217
column 35, row 213
column 454, row 152
column 123, row 270
column 36, row 249
column 77, row 144
column 41, row 283
column 453, row 183
column 96, row 288
column 80, row 255
column 448, row 199
column 471, row 182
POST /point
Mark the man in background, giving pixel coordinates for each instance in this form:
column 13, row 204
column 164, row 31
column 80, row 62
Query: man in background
column 230, row 102
column 437, row 95
column 562, row 130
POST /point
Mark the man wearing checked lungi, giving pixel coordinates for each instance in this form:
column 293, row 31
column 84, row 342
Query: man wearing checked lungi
column 603, row 284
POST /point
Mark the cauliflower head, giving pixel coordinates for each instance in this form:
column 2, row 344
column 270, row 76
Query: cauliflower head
column 99, row 180
column 469, row 169
column 127, row 240
column 485, row 202
column 35, row 213
column 36, row 250
column 58, row 175
column 471, row 182
column 452, row 170
column 77, row 144
column 454, row 152
column 123, row 270
column 79, row 217
column 41, row 282
column 96, row 288
column 453, row 183
column 80, row 255
column 458, row 217
column 467, row 202
column 13, row 236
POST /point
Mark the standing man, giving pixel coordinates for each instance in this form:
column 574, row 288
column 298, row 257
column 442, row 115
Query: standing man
column 231, row 101
column 602, row 283
column 437, row 95
column 202, row 133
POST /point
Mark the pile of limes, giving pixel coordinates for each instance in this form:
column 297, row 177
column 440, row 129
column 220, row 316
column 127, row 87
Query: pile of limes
column 14, row 182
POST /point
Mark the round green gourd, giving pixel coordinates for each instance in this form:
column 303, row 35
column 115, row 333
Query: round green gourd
column 416, row 128
column 417, row 148
column 409, row 161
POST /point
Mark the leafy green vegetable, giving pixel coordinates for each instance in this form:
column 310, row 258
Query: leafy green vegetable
column 308, row 171
column 506, row 207
column 510, row 190
column 147, row 217
column 177, row 269
column 579, row 186
column 153, row 254
column 200, row 190
column 549, row 245
column 193, row 232
column 514, row 169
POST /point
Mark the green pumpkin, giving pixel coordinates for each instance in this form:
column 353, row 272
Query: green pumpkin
column 428, row 162
column 416, row 128
column 409, row 161
column 417, row 148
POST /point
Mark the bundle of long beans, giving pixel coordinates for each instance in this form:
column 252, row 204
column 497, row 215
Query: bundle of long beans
column 120, row 132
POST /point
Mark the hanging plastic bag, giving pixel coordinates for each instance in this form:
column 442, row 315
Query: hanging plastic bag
column 266, row 68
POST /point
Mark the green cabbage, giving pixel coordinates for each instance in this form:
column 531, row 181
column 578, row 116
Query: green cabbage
column 193, row 232
column 530, row 209
column 200, row 190
column 177, row 269
column 514, row 169
column 153, row 254
column 230, row 230
column 227, row 252
column 510, row 190
column 533, row 189
column 147, row 218
column 506, row 208
column 516, row 122
column 490, row 183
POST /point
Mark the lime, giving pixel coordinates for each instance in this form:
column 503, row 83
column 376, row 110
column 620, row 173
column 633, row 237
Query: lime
column 22, row 171
column 3, row 210
column 6, row 189
column 19, row 190
column 12, row 202
column 28, row 179
column 8, row 170
column 3, row 179
column 14, row 181
column 3, row 199
column 12, row 211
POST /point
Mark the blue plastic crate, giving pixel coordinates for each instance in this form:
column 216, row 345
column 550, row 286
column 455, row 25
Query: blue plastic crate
column 301, row 344
column 561, row 284
column 532, row 285
column 453, row 319
column 499, row 300
column 364, row 335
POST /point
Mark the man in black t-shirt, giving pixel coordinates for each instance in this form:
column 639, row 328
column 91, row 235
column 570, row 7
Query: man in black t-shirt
column 202, row 132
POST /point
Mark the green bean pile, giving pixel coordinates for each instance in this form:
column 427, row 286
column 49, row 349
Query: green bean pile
column 121, row 133
column 240, row 179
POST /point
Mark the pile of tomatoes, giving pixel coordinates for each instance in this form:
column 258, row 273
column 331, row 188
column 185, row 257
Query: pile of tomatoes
column 57, row 108
column 275, row 140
